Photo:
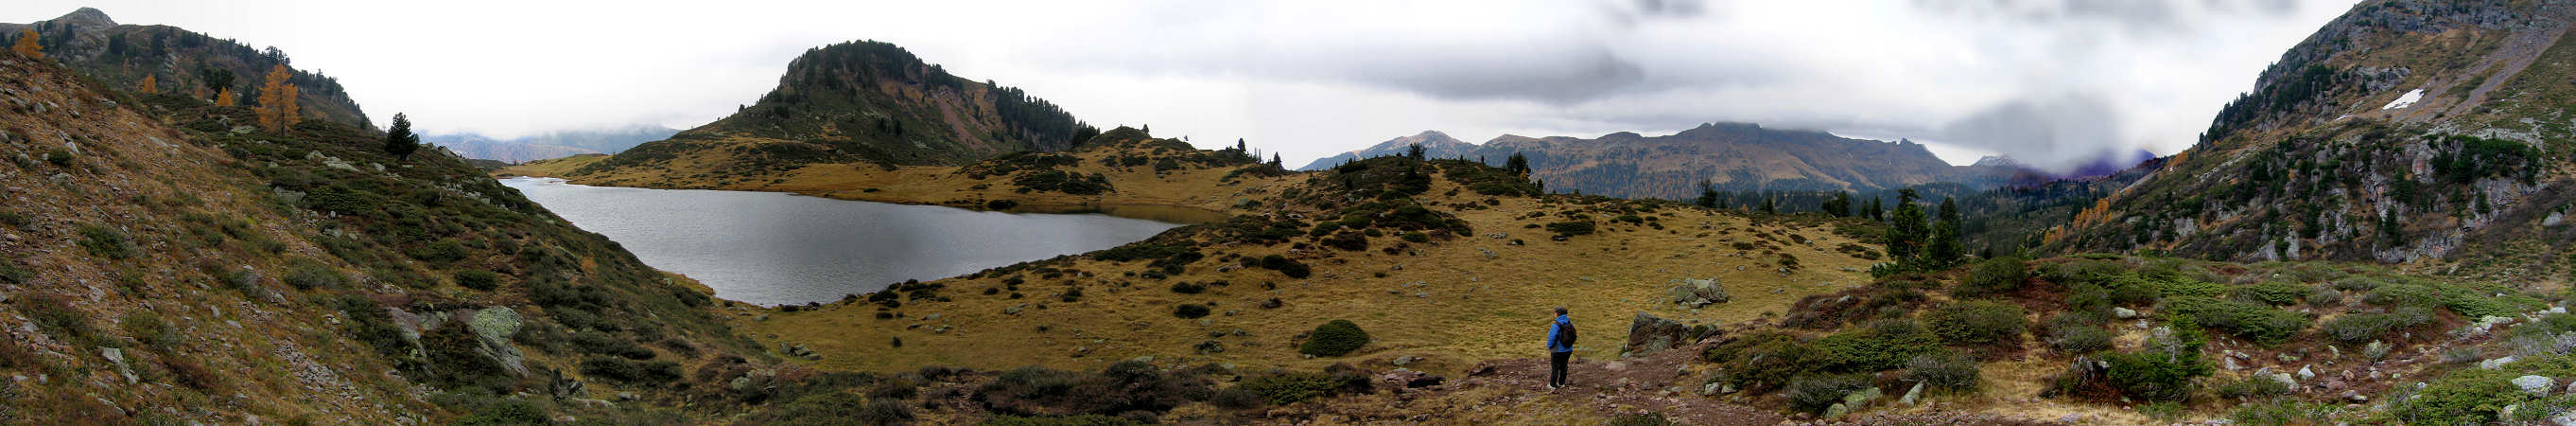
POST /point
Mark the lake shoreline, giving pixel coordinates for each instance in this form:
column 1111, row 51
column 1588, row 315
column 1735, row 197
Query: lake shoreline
column 773, row 248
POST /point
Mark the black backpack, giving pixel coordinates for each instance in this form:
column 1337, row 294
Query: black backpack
column 1564, row 335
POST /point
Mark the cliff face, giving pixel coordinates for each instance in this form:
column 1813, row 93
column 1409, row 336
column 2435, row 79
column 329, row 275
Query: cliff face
column 2403, row 130
column 180, row 61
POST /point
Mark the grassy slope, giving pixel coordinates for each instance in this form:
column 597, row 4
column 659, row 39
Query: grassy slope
column 231, row 246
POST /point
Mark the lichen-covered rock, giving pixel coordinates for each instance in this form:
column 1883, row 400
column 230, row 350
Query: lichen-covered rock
column 1693, row 293
column 1648, row 333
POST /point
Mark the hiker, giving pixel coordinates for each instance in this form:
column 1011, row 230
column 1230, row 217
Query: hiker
column 1560, row 348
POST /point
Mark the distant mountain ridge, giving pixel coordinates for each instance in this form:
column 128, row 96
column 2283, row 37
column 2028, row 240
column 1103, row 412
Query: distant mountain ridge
column 181, row 61
column 1731, row 156
column 551, row 144
column 1434, row 144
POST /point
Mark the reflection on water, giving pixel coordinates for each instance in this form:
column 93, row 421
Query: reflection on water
column 773, row 248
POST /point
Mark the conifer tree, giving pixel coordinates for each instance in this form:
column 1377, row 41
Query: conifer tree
column 27, row 45
column 1517, row 164
column 1945, row 248
column 399, row 139
column 1707, row 195
column 277, row 109
column 224, row 97
column 1905, row 236
column 1413, row 151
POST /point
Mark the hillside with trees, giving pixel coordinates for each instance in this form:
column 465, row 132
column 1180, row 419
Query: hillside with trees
column 177, row 61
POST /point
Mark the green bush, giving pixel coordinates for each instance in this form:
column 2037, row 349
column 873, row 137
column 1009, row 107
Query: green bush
column 1290, row 387
column 1765, row 360
column 2471, row 305
column 1881, row 345
column 1285, row 266
column 1186, row 287
column 630, row 372
column 2467, row 397
column 1813, row 393
column 2081, row 340
column 2178, row 286
column 2273, row 293
column 307, row 274
column 478, row 279
column 1190, row 311
column 2403, row 294
column 2360, row 328
column 442, row 251
column 1571, row 228
column 1978, row 322
column 2249, row 321
column 106, row 242
column 57, row 317
column 1948, row 369
column 1415, row 236
column 1334, row 338
column 148, row 328
column 1994, row 276
column 2155, row 376
column 1236, row 399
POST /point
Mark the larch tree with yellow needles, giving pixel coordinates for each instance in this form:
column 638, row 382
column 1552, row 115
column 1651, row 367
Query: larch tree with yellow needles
column 151, row 85
column 224, row 97
column 27, row 45
column 277, row 100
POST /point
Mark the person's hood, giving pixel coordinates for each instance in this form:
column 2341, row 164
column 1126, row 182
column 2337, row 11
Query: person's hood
column 1564, row 319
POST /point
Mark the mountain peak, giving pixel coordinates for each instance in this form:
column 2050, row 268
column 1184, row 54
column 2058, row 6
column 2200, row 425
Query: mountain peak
column 1432, row 134
column 86, row 17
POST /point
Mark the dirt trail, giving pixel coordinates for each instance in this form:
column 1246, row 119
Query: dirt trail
column 1661, row 382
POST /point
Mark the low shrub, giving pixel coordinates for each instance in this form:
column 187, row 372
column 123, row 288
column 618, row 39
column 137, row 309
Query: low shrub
column 307, row 274
column 478, row 279
column 1571, row 228
column 2153, row 376
column 1994, row 276
column 2249, row 321
column 1290, row 387
column 2403, row 294
column 1978, row 322
column 1881, row 345
column 1947, row 369
column 2080, row 340
column 106, row 242
column 2273, row 293
column 2359, row 328
column 56, row 316
column 1081, row 420
column 1190, row 311
column 1285, row 266
column 1236, row 399
column 1813, row 393
column 1765, row 360
column 1334, row 338
column 148, row 328
column 2467, row 397
column 1186, row 287
column 630, row 372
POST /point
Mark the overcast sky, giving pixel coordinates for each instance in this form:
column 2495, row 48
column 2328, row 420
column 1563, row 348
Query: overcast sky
column 2049, row 81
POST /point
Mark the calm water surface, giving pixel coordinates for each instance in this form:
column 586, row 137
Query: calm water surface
column 772, row 248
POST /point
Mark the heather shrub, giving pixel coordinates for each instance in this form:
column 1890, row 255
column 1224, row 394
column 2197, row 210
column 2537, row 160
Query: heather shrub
column 2001, row 275
column 1334, row 338
column 1978, row 322
column 1947, row 369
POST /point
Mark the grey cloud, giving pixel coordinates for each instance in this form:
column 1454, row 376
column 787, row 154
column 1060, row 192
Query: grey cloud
column 2132, row 15
column 2050, row 131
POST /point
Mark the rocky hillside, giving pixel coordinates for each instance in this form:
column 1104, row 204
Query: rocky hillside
column 163, row 262
column 2402, row 131
column 180, row 62
column 1434, row 145
column 1736, row 157
column 875, row 102
column 549, row 145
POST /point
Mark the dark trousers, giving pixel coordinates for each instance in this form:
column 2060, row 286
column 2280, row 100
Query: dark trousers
column 1556, row 367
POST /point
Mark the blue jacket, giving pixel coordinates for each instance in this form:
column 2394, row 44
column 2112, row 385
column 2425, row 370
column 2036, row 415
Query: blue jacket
column 1561, row 323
